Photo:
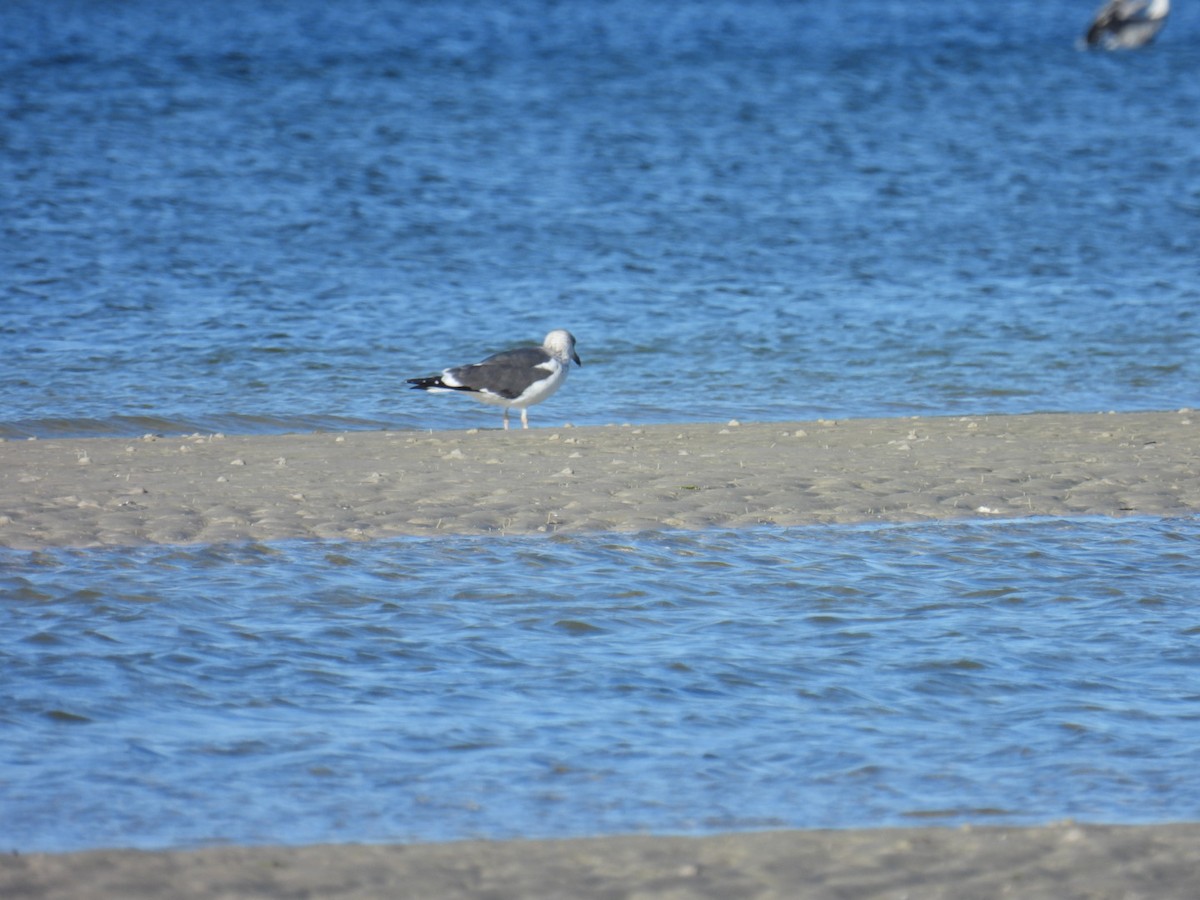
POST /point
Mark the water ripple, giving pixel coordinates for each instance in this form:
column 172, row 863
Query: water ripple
column 436, row 689
column 736, row 198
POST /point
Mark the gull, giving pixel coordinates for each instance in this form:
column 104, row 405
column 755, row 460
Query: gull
column 1125, row 24
column 514, row 379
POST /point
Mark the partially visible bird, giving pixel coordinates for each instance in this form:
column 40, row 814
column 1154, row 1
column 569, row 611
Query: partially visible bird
column 514, row 379
column 1126, row 24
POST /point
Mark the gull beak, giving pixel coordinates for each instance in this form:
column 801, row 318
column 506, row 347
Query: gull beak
column 575, row 356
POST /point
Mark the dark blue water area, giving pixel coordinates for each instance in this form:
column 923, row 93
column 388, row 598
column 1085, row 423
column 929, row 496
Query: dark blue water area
column 262, row 216
column 423, row 690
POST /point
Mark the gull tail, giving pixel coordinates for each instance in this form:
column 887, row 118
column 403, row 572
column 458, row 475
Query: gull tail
column 434, row 383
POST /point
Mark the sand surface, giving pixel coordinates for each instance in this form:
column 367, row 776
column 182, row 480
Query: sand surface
column 1057, row 862
column 360, row 485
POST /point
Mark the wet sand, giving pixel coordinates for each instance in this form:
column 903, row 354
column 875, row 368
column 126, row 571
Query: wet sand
column 360, row 485
column 1056, row 862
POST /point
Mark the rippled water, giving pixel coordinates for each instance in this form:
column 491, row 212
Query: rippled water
column 256, row 216
column 551, row 686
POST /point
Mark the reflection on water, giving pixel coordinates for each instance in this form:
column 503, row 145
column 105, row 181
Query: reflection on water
column 549, row 686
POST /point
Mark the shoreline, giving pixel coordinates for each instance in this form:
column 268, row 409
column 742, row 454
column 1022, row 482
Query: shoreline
column 1057, row 862
column 113, row 492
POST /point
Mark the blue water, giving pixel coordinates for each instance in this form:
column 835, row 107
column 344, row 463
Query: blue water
column 263, row 217
column 253, row 216
column 1008, row 672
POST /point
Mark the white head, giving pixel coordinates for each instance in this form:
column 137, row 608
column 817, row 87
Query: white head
column 561, row 345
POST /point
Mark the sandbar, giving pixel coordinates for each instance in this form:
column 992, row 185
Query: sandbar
column 186, row 489
column 1060, row 861
column 205, row 488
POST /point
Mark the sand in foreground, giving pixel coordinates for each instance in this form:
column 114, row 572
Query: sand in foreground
column 1057, row 862
column 360, row 485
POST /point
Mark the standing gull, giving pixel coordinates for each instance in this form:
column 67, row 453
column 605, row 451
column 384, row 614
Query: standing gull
column 1126, row 24
column 514, row 378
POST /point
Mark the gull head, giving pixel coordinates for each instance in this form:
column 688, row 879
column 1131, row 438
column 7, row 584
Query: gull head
column 560, row 344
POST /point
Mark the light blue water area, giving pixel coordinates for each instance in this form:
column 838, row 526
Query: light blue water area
column 253, row 216
column 417, row 690
column 256, row 216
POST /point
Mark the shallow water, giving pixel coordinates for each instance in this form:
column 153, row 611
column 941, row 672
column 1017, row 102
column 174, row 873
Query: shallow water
column 253, row 217
column 264, row 217
column 1000, row 672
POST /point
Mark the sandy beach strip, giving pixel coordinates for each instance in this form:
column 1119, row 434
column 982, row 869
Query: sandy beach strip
column 1056, row 862
column 97, row 492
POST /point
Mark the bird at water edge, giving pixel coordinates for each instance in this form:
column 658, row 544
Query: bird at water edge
column 513, row 379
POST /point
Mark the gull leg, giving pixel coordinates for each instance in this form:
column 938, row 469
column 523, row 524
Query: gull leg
column 506, row 418
column 525, row 417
